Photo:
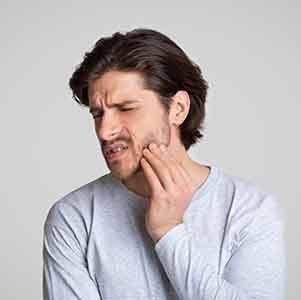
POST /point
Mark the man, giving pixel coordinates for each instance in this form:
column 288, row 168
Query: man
column 159, row 225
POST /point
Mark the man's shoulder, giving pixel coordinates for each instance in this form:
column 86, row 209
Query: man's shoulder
column 250, row 198
column 242, row 187
column 76, row 205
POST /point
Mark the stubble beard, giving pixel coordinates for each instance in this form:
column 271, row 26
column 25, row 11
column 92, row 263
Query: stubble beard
column 129, row 167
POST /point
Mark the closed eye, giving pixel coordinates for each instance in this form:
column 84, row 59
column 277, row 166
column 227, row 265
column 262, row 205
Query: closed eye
column 96, row 116
column 121, row 109
column 126, row 109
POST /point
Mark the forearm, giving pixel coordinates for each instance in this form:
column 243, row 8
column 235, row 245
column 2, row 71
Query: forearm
column 194, row 272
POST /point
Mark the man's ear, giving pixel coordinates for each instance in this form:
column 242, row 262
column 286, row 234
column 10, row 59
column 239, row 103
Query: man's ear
column 179, row 108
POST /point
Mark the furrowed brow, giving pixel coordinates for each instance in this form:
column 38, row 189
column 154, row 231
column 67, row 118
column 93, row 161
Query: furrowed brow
column 98, row 108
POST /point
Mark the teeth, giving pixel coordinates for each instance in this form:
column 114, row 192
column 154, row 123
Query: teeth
column 117, row 149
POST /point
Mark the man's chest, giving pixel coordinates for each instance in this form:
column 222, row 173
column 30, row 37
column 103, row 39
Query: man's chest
column 124, row 264
column 122, row 259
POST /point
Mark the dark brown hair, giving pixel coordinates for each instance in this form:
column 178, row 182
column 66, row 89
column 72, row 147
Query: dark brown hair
column 164, row 66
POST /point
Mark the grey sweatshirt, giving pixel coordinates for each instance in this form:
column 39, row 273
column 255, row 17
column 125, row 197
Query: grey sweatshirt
column 231, row 245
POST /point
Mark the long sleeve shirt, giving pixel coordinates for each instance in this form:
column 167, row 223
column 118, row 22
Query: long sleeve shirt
column 231, row 245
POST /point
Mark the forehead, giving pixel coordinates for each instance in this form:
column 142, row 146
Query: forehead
column 116, row 84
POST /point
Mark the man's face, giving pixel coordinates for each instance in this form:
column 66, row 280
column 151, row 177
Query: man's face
column 132, row 124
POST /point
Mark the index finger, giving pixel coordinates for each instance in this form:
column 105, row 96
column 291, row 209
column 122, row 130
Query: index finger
column 151, row 177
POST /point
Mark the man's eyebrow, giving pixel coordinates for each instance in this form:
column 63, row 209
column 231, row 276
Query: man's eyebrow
column 95, row 108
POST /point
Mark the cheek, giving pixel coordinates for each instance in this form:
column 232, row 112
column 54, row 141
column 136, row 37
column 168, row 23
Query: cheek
column 144, row 131
column 137, row 143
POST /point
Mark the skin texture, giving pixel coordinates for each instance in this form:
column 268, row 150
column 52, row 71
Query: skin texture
column 165, row 176
column 171, row 190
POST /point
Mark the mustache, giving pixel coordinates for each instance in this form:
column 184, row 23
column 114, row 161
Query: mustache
column 117, row 141
column 127, row 142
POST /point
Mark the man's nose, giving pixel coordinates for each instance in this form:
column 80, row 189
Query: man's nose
column 109, row 127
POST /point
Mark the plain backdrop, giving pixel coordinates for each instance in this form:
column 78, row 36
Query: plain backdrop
column 249, row 52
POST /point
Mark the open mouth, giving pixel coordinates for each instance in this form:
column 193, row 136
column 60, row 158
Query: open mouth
column 116, row 153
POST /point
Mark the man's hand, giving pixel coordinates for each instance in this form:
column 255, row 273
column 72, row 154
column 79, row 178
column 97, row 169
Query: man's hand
column 170, row 188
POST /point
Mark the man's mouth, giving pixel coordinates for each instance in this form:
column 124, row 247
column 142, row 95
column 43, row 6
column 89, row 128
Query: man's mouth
column 114, row 152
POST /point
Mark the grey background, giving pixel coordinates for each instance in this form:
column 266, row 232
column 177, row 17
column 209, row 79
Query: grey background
column 249, row 52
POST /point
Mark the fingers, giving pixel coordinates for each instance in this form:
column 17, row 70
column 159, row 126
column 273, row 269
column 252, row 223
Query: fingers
column 168, row 170
column 160, row 169
column 151, row 177
column 181, row 177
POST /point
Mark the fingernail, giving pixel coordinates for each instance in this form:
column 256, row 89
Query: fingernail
column 152, row 146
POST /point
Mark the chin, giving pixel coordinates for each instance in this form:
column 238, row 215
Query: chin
column 125, row 174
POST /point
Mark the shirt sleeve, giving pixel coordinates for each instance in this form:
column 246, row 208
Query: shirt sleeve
column 65, row 273
column 255, row 271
